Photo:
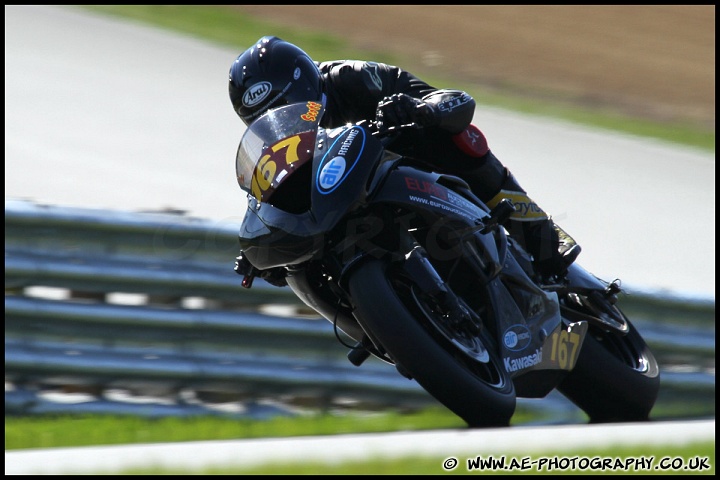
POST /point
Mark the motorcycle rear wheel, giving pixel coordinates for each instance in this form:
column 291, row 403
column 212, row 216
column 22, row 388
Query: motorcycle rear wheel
column 616, row 377
column 477, row 390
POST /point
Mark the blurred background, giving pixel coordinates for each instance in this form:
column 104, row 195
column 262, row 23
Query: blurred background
column 122, row 207
column 646, row 61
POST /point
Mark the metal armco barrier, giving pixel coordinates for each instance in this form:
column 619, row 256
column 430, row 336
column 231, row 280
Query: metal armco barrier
column 220, row 346
column 188, row 327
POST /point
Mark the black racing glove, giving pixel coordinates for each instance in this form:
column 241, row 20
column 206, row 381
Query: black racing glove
column 401, row 109
column 243, row 265
column 273, row 276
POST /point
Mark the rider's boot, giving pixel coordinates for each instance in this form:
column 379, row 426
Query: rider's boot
column 567, row 246
column 552, row 249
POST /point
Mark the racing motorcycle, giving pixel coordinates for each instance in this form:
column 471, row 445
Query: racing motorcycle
column 415, row 270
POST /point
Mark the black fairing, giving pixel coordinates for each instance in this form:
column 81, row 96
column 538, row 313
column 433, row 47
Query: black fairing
column 265, row 237
column 343, row 178
column 349, row 221
column 342, row 166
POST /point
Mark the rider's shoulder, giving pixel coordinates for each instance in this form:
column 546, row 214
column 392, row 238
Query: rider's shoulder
column 357, row 74
column 348, row 67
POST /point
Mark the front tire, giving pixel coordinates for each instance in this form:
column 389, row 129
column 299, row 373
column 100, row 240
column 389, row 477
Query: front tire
column 475, row 387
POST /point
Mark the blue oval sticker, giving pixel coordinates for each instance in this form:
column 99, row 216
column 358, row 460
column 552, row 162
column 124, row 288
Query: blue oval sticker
column 331, row 173
column 343, row 156
column 517, row 337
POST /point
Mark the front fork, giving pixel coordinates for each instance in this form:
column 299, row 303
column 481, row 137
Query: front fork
column 418, row 267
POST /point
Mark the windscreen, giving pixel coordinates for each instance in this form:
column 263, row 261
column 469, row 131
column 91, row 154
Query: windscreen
column 275, row 145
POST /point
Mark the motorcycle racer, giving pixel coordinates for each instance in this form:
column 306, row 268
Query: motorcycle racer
column 273, row 72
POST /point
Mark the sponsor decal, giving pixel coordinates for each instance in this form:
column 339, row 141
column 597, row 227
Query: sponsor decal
column 256, row 94
column 472, row 136
column 446, row 198
column 450, row 105
column 332, row 172
column 517, row 337
column 296, row 73
column 515, row 364
column 371, row 69
column 525, row 208
column 432, row 189
column 313, row 110
column 260, row 111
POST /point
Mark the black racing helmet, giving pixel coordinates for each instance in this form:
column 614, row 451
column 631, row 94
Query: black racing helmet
column 272, row 73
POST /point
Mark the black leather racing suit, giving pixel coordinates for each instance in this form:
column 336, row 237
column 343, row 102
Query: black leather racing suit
column 354, row 89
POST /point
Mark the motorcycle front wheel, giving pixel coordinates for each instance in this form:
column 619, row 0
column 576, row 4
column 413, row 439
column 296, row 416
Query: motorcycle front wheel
column 460, row 369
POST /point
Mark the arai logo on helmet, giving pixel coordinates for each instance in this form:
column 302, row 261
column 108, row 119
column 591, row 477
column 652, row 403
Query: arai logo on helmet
column 256, row 94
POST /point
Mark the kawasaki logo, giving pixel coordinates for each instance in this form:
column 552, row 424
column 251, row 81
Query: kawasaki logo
column 515, row 364
column 256, row 94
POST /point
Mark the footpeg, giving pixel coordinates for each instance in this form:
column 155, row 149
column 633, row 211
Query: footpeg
column 358, row 354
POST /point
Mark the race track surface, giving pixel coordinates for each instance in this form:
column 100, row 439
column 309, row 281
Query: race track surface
column 102, row 113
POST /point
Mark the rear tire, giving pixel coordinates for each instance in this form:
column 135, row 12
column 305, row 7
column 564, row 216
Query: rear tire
column 478, row 391
column 616, row 378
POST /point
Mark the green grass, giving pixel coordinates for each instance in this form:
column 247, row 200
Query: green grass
column 231, row 28
column 434, row 465
column 75, row 430
column 44, row 431
column 49, row 431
